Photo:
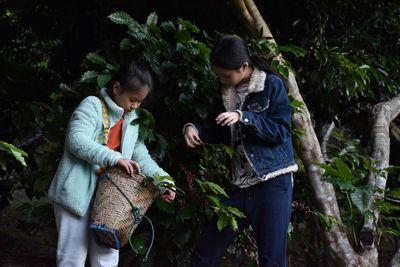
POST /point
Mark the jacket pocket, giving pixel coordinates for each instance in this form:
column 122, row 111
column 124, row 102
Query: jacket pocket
column 259, row 106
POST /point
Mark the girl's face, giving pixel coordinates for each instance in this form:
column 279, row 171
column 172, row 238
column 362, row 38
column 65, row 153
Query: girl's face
column 127, row 99
column 235, row 77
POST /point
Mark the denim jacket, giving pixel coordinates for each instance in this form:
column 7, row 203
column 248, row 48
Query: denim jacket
column 265, row 121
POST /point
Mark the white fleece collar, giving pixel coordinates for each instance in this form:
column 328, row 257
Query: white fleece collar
column 256, row 84
column 114, row 109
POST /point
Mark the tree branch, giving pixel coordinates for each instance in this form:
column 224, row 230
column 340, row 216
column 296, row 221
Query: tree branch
column 394, row 132
column 325, row 140
column 382, row 115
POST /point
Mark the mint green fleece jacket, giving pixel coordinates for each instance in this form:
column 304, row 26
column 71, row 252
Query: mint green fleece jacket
column 75, row 180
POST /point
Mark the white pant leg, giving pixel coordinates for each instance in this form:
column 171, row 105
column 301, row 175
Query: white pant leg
column 72, row 243
column 74, row 239
column 102, row 256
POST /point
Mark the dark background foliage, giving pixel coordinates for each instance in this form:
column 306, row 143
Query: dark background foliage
column 348, row 63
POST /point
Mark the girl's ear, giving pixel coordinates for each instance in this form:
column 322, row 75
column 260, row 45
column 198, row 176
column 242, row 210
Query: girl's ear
column 245, row 65
column 116, row 88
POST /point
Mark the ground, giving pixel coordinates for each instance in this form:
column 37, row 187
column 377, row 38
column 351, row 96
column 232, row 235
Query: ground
column 22, row 249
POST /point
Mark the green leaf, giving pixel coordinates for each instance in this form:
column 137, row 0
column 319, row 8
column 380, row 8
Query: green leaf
column 229, row 150
column 284, row 71
column 15, row 151
column 297, row 132
column 89, row 76
column 146, row 118
column 138, row 244
column 168, row 26
column 222, row 222
column 296, row 105
column 295, row 50
column 111, row 67
column 234, row 224
column 235, row 211
column 344, row 171
column 327, row 220
column 152, row 18
column 103, row 79
column 361, row 199
column 214, row 201
column 182, row 36
column 395, row 192
column 66, row 88
column 164, row 206
column 96, row 59
column 160, row 178
column 123, row 18
column 185, row 24
column 213, row 187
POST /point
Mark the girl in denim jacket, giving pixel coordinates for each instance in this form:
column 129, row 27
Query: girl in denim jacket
column 257, row 124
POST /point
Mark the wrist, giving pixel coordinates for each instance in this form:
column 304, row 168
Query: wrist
column 240, row 114
column 187, row 125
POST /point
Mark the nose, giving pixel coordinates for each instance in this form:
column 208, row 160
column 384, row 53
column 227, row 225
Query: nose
column 135, row 105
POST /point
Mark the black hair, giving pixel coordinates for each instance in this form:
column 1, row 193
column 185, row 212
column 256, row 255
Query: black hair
column 132, row 77
column 230, row 52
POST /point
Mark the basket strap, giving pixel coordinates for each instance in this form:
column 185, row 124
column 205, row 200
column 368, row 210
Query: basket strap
column 105, row 119
column 136, row 217
column 135, row 211
column 151, row 242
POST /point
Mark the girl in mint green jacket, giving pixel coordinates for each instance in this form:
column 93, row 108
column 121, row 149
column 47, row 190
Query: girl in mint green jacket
column 74, row 183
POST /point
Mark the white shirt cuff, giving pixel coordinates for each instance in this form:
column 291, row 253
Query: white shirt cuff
column 189, row 124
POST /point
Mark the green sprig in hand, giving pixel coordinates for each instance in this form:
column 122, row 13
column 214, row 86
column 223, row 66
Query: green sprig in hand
column 165, row 184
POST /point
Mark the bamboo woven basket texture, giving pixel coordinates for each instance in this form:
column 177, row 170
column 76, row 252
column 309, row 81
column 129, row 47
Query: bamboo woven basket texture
column 113, row 219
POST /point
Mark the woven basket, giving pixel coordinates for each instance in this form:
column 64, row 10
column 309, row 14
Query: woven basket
column 120, row 204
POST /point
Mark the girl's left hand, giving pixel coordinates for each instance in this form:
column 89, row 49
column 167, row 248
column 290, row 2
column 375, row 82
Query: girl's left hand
column 228, row 118
column 168, row 195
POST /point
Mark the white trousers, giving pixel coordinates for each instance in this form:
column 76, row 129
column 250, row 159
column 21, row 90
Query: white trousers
column 76, row 241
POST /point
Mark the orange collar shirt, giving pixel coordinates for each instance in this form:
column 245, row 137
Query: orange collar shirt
column 115, row 135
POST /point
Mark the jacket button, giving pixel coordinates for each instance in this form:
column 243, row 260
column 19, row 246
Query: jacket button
column 244, row 136
column 246, row 120
column 252, row 155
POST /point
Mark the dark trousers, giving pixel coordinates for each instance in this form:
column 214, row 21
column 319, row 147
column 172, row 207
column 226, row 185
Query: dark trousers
column 267, row 206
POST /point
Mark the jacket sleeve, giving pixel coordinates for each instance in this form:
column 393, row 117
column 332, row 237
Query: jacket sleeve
column 213, row 135
column 81, row 135
column 272, row 126
column 147, row 165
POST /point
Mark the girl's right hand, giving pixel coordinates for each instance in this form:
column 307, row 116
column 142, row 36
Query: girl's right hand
column 192, row 137
column 130, row 166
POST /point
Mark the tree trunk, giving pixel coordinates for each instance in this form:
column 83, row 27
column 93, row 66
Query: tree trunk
column 396, row 260
column 382, row 115
column 309, row 150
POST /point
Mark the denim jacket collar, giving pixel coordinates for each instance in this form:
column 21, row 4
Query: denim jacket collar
column 256, row 84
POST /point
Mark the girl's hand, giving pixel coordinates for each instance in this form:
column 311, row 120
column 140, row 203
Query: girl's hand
column 130, row 166
column 228, row 118
column 192, row 137
column 168, row 195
